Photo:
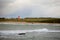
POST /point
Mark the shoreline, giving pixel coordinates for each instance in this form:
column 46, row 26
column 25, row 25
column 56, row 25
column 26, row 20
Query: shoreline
column 25, row 23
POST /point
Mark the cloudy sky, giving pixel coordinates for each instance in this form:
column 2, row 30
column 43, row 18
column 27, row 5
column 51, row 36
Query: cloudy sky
column 30, row 8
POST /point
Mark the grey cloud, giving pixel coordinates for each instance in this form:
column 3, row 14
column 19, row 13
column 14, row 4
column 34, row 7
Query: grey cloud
column 48, row 8
column 40, row 8
column 3, row 4
column 10, row 6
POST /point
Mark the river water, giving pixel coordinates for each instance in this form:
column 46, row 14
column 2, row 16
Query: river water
column 52, row 35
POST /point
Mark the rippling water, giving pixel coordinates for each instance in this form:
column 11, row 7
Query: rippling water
column 54, row 33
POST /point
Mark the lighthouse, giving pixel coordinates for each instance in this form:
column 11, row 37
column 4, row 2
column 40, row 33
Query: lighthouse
column 18, row 18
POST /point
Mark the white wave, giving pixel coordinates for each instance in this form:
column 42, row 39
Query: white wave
column 7, row 32
column 53, row 31
column 43, row 30
column 13, row 31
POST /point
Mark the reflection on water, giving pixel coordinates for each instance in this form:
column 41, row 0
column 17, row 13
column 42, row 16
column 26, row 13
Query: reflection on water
column 52, row 35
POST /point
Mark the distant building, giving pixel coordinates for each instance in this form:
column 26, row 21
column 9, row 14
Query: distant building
column 18, row 18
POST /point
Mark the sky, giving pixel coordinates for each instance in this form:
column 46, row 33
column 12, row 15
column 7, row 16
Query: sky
column 30, row 8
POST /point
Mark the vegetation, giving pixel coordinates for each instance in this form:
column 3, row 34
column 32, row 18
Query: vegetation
column 43, row 20
column 32, row 20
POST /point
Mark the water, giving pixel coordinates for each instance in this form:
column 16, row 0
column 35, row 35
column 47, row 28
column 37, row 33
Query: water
column 53, row 32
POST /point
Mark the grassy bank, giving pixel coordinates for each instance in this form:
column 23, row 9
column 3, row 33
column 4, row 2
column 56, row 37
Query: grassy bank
column 32, row 20
column 43, row 20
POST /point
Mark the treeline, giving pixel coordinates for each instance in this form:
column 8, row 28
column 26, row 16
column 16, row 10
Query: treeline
column 10, row 20
column 43, row 20
column 32, row 20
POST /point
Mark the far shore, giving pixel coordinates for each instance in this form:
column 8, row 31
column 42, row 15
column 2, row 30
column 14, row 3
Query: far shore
column 25, row 23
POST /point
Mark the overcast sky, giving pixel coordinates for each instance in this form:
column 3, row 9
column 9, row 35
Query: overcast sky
column 30, row 8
